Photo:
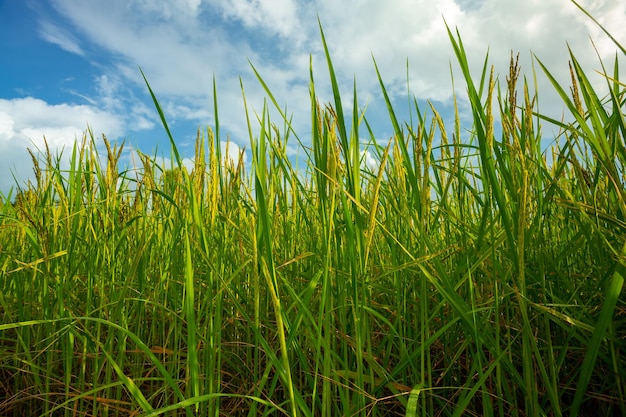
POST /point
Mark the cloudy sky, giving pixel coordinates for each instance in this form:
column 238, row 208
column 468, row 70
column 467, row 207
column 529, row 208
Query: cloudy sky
column 69, row 64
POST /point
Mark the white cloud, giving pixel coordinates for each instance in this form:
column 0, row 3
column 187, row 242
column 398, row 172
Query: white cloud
column 167, row 9
column 61, row 37
column 26, row 121
column 182, row 44
column 368, row 162
column 407, row 29
column 274, row 16
column 117, row 98
column 231, row 152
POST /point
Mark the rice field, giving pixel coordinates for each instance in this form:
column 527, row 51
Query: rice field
column 474, row 272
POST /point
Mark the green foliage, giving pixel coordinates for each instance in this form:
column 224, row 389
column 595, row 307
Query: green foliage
column 477, row 275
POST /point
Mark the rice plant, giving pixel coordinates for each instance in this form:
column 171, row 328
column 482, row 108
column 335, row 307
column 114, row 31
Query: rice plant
column 475, row 273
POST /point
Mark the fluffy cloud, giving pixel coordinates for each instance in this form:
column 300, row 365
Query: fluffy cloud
column 368, row 162
column 25, row 122
column 181, row 45
column 276, row 16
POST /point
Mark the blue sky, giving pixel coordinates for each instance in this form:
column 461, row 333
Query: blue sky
column 69, row 64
